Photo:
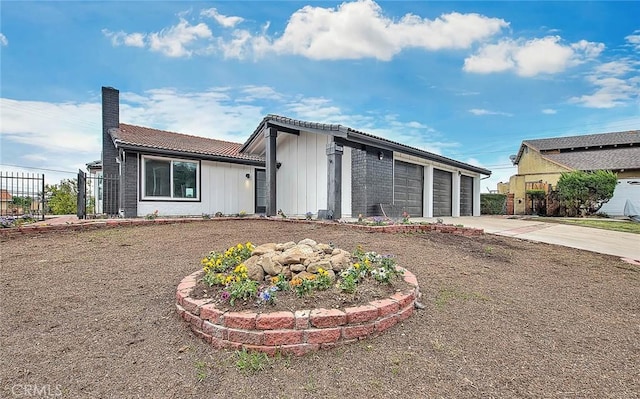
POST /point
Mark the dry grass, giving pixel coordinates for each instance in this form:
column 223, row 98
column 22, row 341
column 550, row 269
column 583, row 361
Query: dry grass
column 93, row 314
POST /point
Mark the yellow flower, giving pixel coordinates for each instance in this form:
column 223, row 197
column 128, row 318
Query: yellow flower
column 367, row 262
column 274, row 280
column 239, row 246
column 356, row 266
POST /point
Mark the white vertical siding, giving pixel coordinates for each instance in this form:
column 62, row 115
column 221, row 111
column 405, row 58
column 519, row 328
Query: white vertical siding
column 476, row 196
column 302, row 178
column 223, row 188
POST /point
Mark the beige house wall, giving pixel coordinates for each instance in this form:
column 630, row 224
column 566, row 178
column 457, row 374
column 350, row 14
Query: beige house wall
column 532, row 167
column 531, row 162
column 629, row 174
column 503, row 188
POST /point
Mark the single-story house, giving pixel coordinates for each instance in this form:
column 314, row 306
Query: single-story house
column 286, row 164
column 541, row 163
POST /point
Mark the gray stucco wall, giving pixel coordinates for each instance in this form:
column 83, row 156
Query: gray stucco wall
column 130, row 186
column 110, row 168
column 371, row 180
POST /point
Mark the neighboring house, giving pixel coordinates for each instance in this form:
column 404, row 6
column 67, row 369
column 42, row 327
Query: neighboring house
column 285, row 164
column 94, row 184
column 5, row 201
column 541, row 162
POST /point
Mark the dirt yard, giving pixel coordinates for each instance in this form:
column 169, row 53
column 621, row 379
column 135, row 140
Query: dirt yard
column 91, row 315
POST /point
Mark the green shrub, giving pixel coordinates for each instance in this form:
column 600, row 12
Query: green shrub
column 586, row 192
column 493, row 204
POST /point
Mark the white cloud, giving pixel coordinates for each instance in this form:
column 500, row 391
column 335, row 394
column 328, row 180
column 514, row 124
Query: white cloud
column 549, row 111
column 634, row 39
column 491, row 58
column 252, row 93
column 212, row 113
column 616, row 83
column 482, row 112
column 227, row 22
column 610, row 92
column 531, row 57
column 360, row 30
column 353, row 30
column 122, row 38
column 173, row 42
column 3, row 40
column 67, row 127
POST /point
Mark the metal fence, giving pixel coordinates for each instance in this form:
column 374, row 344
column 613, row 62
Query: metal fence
column 22, row 194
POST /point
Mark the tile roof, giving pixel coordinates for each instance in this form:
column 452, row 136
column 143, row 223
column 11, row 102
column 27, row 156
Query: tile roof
column 588, row 140
column 609, row 158
column 138, row 136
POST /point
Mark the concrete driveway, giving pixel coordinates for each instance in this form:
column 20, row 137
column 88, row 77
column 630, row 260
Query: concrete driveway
column 624, row 245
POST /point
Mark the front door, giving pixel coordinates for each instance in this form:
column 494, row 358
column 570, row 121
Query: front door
column 261, row 191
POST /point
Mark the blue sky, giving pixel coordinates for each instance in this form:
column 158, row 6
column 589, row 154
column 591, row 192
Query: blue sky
column 468, row 80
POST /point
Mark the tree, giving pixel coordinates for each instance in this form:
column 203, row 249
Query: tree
column 62, row 198
column 586, row 191
column 24, row 202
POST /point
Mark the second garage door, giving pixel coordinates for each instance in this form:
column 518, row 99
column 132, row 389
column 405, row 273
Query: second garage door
column 466, row 196
column 407, row 187
column 441, row 193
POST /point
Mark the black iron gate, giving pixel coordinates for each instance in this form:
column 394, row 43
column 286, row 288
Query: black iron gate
column 91, row 192
column 82, row 195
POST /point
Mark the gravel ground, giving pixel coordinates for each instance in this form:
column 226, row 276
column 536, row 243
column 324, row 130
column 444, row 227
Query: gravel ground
column 91, row 315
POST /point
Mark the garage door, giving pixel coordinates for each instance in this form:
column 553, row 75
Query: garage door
column 441, row 193
column 466, row 196
column 407, row 187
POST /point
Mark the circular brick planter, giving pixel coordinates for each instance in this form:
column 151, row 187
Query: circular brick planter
column 296, row 332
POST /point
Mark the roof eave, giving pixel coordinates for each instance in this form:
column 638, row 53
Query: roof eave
column 366, row 139
column 274, row 120
column 188, row 154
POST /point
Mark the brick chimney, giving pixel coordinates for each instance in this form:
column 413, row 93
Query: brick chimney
column 110, row 168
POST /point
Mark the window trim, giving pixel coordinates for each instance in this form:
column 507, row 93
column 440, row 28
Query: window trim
column 172, row 160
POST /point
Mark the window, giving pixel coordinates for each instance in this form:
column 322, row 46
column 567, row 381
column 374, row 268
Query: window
column 165, row 178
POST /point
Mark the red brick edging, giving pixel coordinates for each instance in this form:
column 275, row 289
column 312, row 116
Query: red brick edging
column 287, row 332
column 111, row 223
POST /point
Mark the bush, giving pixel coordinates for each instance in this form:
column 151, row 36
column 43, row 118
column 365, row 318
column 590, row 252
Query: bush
column 493, row 204
column 586, row 192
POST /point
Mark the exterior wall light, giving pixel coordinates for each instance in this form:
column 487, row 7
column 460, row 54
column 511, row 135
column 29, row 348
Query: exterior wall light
column 380, row 155
column 248, row 175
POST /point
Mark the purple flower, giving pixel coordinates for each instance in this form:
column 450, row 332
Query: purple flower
column 265, row 296
column 225, row 295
